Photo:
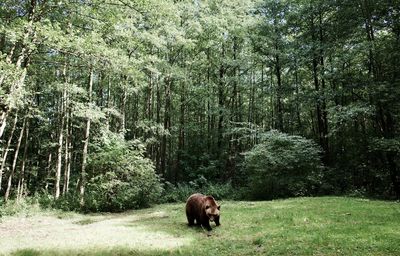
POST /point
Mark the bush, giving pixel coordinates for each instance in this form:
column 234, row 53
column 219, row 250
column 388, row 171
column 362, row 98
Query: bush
column 121, row 177
column 282, row 165
column 25, row 206
column 182, row 191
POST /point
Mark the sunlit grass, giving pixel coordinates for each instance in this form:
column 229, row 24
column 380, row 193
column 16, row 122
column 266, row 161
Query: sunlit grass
column 301, row 226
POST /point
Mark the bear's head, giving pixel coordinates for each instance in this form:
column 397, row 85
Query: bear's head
column 212, row 208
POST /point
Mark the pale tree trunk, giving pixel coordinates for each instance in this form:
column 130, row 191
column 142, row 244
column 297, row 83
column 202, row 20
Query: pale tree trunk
column 158, row 120
column 167, row 124
column 86, row 144
column 5, row 153
column 10, row 177
column 150, row 98
column 59, row 153
column 3, row 122
column 108, row 104
column 181, row 138
column 48, row 171
column 60, row 140
column 21, row 182
column 123, row 114
column 67, row 154
column 221, row 104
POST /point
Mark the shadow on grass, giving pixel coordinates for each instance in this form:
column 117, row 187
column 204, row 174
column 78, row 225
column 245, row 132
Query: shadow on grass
column 92, row 252
column 171, row 226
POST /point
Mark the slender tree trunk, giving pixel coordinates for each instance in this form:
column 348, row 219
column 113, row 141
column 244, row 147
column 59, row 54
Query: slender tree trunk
column 21, row 183
column 86, row 144
column 48, row 172
column 3, row 120
column 150, row 98
column 6, row 150
column 272, row 106
column 14, row 164
column 324, row 111
column 298, row 117
column 251, row 100
column 60, row 143
column 181, row 139
column 230, row 165
column 122, row 128
column 209, row 137
column 366, row 9
column 279, row 107
column 320, row 101
column 167, row 121
column 67, row 154
column 221, row 103
column 108, row 116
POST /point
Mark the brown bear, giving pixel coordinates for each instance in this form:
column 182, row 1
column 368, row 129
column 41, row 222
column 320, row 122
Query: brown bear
column 203, row 209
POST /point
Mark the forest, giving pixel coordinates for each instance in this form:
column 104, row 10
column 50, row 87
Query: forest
column 108, row 105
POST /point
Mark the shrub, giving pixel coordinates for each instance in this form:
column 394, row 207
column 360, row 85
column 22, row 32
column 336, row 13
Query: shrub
column 120, row 177
column 25, row 206
column 182, row 191
column 282, row 165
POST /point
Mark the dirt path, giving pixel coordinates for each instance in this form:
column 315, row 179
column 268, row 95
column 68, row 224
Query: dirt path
column 82, row 232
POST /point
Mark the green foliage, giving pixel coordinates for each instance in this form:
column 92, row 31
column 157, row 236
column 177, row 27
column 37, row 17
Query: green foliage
column 68, row 202
column 282, row 165
column 21, row 207
column 182, row 191
column 121, row 177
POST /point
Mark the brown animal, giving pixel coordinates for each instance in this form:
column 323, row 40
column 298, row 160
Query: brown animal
column 203, row 209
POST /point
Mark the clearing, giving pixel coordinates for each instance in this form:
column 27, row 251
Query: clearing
column 298, row 226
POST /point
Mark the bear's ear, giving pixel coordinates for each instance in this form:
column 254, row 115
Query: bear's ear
column 219, row 207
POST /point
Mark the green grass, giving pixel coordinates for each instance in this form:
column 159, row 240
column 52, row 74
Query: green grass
column 299, row 226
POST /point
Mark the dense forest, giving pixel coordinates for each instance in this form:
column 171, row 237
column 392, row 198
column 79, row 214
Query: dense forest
column 114, row 104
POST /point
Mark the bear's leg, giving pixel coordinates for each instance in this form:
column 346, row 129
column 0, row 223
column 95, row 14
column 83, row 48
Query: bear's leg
column 190, row 219
column 206, row 224
column 198, row 223
column 217, row 221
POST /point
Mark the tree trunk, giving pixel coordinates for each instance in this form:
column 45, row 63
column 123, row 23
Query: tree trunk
column 150, row 98
column 320, row 100
column 6, row 150
column 221, row 103
column 60, row 143
column 181, row 139
column 108, row 116
column 86, row 144
column 158, row 120
column 48, row 172
column 21, row 183
column 3, row 119
column 324, row 111
column 298, row 101
column 67, row 154
column 279, row 107
column 122, row 128
column 167, row 123
column 14, row 165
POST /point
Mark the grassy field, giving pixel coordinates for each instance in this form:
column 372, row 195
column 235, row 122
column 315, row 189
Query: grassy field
column 300, row 226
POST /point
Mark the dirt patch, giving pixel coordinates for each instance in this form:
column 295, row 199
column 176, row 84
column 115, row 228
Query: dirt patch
column 48, row 232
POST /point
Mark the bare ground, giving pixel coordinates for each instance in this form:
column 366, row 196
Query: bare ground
column 84, row 232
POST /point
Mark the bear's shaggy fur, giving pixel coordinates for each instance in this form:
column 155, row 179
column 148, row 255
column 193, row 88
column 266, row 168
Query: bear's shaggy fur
column 203, row 209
